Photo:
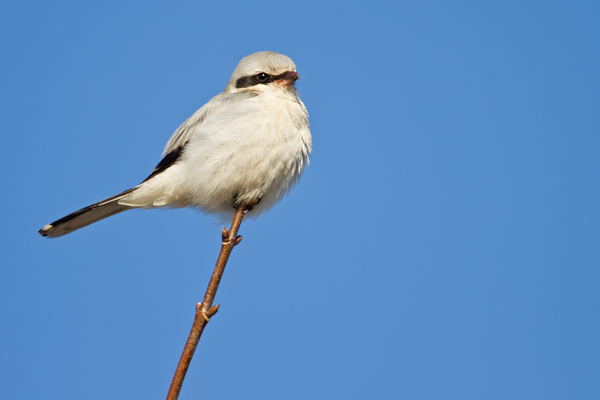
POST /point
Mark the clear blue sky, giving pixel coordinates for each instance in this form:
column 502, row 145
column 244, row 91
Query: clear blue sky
column 443, row 244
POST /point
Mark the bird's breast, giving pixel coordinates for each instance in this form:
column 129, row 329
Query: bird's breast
column 254, row 149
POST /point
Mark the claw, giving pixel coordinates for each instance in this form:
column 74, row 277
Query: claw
column 251, row 204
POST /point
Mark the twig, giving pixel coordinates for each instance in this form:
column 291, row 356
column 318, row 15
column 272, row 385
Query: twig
column 205, row 310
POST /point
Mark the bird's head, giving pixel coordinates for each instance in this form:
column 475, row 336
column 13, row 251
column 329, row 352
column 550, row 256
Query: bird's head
column 266, row 72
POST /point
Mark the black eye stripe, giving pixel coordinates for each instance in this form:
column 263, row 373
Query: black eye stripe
column 252, row 80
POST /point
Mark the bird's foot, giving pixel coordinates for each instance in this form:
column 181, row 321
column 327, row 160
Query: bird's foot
column 249, row 206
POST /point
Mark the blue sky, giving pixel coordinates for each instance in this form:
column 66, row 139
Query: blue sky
column 443, row 243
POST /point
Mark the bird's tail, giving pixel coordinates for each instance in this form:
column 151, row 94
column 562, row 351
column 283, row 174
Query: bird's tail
column 85, row 216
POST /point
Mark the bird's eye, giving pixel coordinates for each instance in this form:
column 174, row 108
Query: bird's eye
column 262, row 77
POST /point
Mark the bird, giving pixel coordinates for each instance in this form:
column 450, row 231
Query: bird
column 248, row 145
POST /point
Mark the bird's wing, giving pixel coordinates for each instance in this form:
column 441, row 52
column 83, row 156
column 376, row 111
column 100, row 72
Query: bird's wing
column 187, row 129
column 182, row 135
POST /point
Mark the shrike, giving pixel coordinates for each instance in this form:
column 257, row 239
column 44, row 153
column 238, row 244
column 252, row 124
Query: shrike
column 247, row 144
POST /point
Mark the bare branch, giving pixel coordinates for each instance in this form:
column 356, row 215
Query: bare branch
column 205, row 310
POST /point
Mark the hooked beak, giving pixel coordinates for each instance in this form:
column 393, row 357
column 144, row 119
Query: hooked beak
column 288, row 79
